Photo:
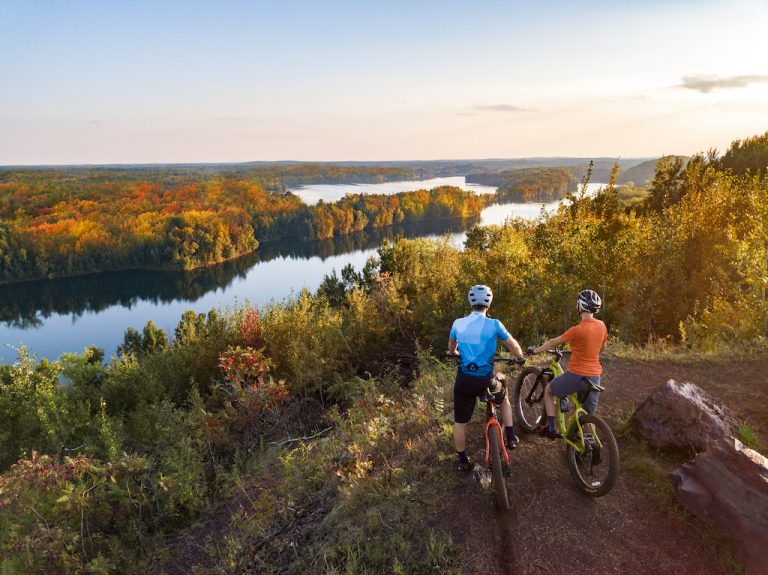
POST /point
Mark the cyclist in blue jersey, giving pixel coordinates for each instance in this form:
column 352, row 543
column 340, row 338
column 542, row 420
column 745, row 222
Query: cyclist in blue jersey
column 475, row 337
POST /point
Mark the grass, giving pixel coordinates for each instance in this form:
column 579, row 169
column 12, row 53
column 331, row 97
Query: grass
column 748, row 436
column 668, row 350
column 358, row 500
column 361, row 499
column 650, row 467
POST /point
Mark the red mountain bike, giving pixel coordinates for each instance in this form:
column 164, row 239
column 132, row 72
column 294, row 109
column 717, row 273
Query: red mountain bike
column 493, row 431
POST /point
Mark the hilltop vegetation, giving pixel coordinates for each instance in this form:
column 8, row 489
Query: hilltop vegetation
column 748, row 156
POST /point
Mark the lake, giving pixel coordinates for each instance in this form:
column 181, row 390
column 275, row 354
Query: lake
column 331, row 192
column 70, row 314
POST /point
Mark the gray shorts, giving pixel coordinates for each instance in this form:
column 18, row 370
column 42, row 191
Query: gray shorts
column 568, row 383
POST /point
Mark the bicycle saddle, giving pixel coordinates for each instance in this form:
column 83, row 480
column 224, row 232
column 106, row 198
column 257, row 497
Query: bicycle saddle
column 592, row 385
column 487, row 396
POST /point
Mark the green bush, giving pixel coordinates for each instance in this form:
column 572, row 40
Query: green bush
column 304, row 341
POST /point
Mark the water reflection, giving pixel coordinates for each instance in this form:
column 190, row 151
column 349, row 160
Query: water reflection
column 65, row 315
column 27, row 305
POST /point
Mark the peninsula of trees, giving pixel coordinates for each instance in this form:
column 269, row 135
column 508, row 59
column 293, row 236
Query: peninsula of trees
column 529, row 184
column 62, row 222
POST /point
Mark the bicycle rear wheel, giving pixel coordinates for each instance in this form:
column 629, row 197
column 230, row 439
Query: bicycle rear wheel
column 528, row 398
column 596, row 469
column 497, row 472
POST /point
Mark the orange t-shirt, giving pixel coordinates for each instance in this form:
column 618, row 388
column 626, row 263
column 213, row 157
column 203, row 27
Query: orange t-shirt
column 586, row 340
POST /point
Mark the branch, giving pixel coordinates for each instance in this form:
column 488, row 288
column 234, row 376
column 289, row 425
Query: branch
column 281, row 443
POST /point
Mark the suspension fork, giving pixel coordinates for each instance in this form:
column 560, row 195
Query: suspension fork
column 542, row 380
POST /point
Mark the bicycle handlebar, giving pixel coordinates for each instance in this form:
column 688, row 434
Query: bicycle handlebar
column 560, row 352
column 509, row 360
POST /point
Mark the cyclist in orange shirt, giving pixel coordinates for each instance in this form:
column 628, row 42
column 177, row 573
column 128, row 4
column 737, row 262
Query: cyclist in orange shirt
column 587, row 340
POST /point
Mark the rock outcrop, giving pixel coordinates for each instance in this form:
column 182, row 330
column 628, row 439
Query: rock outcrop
column 682, row 415
column 727, row 487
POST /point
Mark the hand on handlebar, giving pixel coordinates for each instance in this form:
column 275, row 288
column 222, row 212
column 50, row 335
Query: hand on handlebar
column 531, row 350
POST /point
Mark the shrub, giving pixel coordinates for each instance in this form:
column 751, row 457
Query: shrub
column 304, row 341
column 75, row 515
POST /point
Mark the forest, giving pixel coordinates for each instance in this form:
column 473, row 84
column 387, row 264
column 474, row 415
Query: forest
column 96, row 292
column 61, row 223
column 530, row 184
column 101, row 473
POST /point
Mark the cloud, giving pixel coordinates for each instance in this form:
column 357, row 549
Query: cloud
column 506, row 108
column 704, row 83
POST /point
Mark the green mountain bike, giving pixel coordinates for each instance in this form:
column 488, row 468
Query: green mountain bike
column 593, row 454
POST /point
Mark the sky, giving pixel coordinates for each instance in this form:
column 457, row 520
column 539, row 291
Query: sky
column 154, row 81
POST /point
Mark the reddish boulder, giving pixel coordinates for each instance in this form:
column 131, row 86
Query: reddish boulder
column 682, row 415
column 727, row 487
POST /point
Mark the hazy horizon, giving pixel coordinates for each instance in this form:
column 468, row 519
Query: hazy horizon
column 95, row 83
column 338, row 161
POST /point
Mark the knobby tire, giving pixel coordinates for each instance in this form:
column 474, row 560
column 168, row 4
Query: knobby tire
column 497, row 472
column 527, row 424
column 609, row 455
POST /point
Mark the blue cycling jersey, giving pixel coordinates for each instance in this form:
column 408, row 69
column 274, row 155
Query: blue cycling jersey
column 476, row 335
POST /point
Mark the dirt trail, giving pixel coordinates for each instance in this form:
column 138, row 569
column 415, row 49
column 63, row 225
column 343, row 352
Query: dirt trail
column 554, row 529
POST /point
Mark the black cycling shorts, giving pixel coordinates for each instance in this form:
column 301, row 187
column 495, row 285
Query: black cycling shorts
column 468, row 388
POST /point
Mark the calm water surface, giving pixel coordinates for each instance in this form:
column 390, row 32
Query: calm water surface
column 332, row 192
column 70, row 314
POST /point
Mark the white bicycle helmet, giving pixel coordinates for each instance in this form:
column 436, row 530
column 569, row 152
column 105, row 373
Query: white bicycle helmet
column 588, row 301
column 480, row 295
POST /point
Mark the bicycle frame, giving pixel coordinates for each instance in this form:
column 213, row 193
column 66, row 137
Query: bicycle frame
column 564, row 427
column 591, row 448
column 493, row 422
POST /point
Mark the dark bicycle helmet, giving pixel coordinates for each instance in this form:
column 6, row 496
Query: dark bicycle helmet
column 480, row 295
column 588, row 301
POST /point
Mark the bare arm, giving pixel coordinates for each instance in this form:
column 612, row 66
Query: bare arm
column 551, row 344
column 452, row 345
column 514, row 348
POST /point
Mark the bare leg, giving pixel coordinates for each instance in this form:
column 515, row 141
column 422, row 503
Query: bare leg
column 549, row 401
column 458, row 436
column 506, row 412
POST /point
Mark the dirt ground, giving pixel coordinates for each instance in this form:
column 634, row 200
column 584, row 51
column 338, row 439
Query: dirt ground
column 553, row 528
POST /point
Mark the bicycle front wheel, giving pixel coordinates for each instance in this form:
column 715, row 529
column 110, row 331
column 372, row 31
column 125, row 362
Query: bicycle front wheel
column 528, row 398
column 497, row 472
column 595, row 469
